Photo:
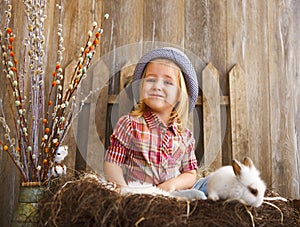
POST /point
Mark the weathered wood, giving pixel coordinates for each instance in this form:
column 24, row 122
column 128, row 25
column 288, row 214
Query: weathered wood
column 284, row 111
column 84, row 13
column 238, row 112
column 98, row 117
column 206, row 22
column 125, row 101
column 69, row 139
column 126, row 74
column 116, row 52
column 211, row 117
column 235, row 51
column 247, row 28
column 122, row 35
column 256, row 36
column 164, row 22
column 8, row 172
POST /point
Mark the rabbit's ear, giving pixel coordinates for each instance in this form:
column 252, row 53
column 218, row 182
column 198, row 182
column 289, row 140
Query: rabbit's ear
column 248, row 162
column 236, row 167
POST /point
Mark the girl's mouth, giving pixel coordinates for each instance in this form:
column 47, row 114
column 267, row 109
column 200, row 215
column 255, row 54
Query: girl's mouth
column 155, row 96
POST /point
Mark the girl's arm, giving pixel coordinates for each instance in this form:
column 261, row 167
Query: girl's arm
column 114, row 173
column 185, row 180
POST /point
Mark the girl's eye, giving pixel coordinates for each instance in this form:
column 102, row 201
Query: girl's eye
column 150, row 80
column 168, row 82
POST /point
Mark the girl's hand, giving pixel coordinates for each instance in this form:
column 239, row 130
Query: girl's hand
column 185, row 180
column 167, row 186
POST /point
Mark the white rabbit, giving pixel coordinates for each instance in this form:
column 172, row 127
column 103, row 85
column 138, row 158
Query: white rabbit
column 58, row 169
column 239, row 181
column 61, row 153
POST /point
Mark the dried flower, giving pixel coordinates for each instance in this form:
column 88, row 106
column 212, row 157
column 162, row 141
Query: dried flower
column 18, row 103
column 11, row 39
column 34, row 148
column 53, row 83
column 9, row 31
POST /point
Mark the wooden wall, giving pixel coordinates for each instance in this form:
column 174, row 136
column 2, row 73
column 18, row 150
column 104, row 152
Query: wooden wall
column 260, row 36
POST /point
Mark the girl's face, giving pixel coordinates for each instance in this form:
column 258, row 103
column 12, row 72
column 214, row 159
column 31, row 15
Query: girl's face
column 160, row 88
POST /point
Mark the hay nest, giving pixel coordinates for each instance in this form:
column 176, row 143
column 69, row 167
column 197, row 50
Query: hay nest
column 89, row 201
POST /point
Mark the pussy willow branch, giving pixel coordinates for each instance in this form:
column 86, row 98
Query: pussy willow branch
column 35, row 17
column 14, row 84
column 12, row 153
column 34, row 155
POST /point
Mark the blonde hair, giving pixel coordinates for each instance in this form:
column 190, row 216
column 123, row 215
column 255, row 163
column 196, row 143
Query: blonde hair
column 181, row 109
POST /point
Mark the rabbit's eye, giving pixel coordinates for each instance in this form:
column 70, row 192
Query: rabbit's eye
column 58, row 154
column 253, row 191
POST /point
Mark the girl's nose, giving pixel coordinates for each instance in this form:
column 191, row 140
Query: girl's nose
column 158, row 85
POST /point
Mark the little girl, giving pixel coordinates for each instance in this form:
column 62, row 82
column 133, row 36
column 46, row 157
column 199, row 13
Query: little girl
column 153, row 143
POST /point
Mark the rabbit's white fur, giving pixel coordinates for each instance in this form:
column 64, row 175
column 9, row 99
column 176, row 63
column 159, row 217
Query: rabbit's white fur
column 61, row 153
column 239, row 181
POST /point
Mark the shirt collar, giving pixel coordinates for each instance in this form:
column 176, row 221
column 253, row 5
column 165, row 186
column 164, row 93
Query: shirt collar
column 153, row 121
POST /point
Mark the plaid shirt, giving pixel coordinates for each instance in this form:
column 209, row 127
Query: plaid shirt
column 150, row 151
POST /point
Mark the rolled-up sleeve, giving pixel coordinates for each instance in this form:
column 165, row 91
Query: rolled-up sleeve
column 189, row 161
column 119, row 141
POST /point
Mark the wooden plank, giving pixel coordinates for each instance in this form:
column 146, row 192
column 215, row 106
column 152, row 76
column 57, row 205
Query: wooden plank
column 224, row 100
column 211, row 117
column 234, row 35
column 69, row 139
column 77, row 21
column 120, row 40
column 257, row 72
column 9, row 174
column 238, row 112
column 283, row 79
column 164, row 22
column 206, row 23
column 97, row 130
column 126, row 74
column 84, row 13
column 234, row 54
column 125, row 102
column 247, row 44
column 115, row 52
